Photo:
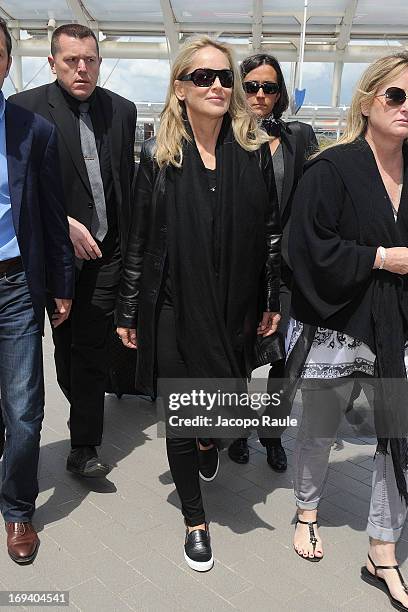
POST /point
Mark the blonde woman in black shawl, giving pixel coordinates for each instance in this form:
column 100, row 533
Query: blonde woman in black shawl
column 348, row 248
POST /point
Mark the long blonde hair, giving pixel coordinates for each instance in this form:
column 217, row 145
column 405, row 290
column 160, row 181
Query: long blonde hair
column 373, row 78
column 172, row 130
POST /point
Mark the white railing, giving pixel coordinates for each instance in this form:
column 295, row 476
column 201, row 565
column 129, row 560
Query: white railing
column 326, row 121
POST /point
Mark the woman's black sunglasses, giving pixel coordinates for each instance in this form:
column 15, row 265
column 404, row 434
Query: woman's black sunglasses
column 268, row 87
column 394, row 96
column 205, row 77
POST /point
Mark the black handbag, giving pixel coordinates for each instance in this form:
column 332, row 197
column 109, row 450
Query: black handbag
column 268, row 350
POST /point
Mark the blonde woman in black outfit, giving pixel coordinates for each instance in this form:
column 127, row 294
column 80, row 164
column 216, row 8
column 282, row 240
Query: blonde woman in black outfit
column 349, row 310
column 293, row 142
column 190, row 295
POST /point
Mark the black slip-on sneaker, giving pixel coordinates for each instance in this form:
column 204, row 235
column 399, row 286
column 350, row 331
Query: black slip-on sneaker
column 208, row 462
column 197, row 550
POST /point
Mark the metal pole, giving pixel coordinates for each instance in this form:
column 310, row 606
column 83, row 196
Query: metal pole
column 340, row 123
column 50, row 29
column 292, row 78
column 302, row 47
column 18, row 73
column 17, row 65
column 336, row 84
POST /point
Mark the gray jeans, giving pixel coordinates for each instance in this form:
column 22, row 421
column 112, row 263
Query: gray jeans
column 323, row 408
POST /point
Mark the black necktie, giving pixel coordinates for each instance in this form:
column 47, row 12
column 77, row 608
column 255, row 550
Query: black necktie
column 99, row 224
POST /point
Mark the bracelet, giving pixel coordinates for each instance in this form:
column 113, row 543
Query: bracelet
column 383, row 255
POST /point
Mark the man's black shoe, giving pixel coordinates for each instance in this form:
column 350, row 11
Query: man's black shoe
column 197, row 550
column 238, row 451
column 208, row 463
column 83, row 461
column 276, row 457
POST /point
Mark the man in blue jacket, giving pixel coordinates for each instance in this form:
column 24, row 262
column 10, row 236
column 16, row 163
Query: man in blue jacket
column 36, row 255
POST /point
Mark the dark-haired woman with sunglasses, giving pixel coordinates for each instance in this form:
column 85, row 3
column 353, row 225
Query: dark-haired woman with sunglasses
column 348, row 247
column 201, row 275
column 293, row 142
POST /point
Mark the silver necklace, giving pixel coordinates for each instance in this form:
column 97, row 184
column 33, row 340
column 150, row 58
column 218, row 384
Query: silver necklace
column 395, row 210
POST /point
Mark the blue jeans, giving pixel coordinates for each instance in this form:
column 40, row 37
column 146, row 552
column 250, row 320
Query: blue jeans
column 22, row 398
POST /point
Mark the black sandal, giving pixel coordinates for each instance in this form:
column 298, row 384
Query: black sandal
column 380, row 583
column 313, row 540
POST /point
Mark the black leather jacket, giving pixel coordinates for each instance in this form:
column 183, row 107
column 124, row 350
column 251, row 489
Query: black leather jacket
column 142, row 274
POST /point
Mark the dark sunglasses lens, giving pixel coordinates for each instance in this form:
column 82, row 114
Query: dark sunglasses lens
column 205, row 77
column 395, row 95
column 202, row 77
column 251, row 87
column 270, row 88
column 226, row 78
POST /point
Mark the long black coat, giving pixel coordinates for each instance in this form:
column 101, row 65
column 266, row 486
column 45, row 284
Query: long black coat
column 298, row 141
column 120, row 115
column 146, row 256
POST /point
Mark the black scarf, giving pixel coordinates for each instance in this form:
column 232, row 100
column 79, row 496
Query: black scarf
column 216, row 291
column 272, row 126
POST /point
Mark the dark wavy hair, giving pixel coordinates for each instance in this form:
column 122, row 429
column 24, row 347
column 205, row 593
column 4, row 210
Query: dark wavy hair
column 259, row 59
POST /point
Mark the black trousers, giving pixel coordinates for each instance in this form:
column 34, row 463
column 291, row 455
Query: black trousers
column 182, row 453
column 80, row 344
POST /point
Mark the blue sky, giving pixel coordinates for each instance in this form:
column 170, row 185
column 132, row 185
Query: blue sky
column 146, row 80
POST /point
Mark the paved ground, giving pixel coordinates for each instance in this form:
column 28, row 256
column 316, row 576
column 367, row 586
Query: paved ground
column 118, row 545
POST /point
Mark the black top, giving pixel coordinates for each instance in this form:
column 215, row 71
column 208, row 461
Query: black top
column 212, row 180
column 212, row 184
column 279, row 171
column 110, row 242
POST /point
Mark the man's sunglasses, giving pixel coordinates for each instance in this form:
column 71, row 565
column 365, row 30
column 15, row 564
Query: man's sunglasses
column 268, row 87
column 394, row 96
column 205, row 77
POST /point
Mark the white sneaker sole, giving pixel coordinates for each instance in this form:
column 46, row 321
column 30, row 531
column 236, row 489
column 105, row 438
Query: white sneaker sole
column 199, row 566
column 215, row 473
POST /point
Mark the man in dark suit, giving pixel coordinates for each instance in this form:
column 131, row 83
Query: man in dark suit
column 96, row 132
column 36, row 254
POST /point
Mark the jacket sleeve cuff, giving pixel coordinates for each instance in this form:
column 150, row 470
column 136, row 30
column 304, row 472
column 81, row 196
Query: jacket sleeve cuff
column 273, row 305
column 126, row 315
column 272, row 300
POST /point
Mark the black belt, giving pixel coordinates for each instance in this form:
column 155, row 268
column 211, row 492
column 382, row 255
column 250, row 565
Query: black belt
column 11, row 266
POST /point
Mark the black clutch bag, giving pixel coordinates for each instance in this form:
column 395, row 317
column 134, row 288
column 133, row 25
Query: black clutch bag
column 268, row 350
